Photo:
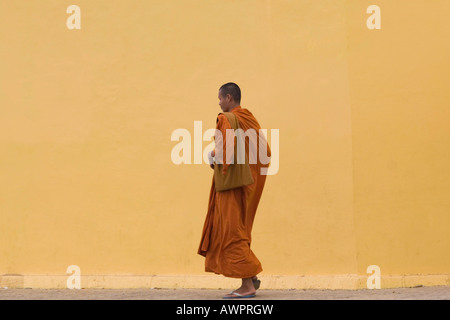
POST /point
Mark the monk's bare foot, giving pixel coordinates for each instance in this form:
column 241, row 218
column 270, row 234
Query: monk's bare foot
column 256, row 282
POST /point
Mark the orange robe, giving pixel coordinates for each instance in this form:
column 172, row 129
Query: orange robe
column 226, row 236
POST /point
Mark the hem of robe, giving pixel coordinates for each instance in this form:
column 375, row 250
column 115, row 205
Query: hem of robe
column 235, row 275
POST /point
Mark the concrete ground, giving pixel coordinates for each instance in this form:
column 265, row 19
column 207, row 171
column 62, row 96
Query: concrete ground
column 417, row 293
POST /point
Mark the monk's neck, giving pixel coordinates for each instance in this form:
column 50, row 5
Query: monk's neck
column 231, row 109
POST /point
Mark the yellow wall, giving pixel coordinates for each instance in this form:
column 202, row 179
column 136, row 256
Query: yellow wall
column 86, row 118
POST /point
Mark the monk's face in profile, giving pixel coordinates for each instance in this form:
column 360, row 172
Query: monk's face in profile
column 225, row 103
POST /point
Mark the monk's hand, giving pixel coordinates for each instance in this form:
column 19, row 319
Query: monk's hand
column 211, row 159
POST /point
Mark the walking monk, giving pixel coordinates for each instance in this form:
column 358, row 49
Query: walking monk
column 226, row 236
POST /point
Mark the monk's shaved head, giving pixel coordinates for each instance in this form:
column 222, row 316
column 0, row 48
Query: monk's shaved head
column 232, row 89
